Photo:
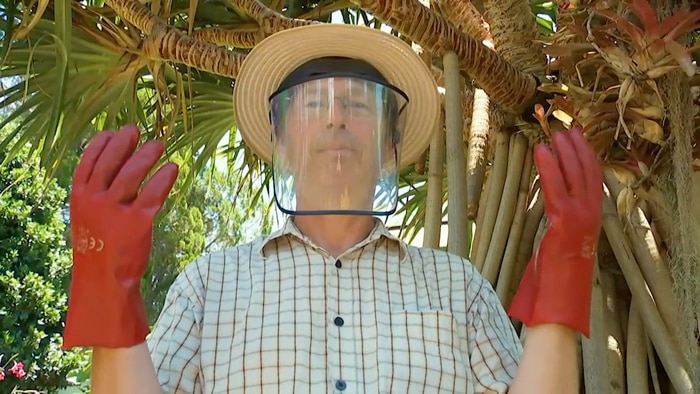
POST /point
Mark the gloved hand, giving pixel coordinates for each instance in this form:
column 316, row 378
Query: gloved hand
column 111, row 228
column 558, row 281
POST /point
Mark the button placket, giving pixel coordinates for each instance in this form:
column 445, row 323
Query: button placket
column 342, row 334
column 334, row 339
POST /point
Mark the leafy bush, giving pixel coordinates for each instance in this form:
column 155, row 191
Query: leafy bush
column 34, row 270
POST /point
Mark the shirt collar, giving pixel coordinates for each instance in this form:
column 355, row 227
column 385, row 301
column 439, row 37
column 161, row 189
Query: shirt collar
column 289, row 229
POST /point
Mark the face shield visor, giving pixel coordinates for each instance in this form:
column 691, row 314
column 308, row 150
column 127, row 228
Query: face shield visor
column 336, row 146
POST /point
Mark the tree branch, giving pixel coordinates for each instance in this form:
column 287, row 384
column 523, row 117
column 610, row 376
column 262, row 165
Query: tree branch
column 165, row 42
column 504, row 83
column 247, row 38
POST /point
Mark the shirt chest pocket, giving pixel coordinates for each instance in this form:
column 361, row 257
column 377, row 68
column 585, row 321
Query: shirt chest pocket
column 421, row 352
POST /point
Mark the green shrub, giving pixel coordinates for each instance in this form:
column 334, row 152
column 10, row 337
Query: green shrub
column 34, row 271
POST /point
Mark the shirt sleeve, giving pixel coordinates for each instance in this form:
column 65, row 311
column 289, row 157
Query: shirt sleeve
column 174, row 342
column 495, row 348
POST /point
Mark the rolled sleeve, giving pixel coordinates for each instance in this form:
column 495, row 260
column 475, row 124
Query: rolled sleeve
column 494, row 346
column 175, row 340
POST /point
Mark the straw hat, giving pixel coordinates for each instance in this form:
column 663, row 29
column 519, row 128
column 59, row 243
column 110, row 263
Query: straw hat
column 271, row 60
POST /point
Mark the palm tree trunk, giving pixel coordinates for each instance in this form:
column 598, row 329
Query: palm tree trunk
column 677, row 185
column 637, row 366
column 468, row 19
column 593, row 349
column 508, row 271
column 432, row 225
column 458, row 241
column 615, row 351
column 669, row 351
column 434, row 199
column 645, row 249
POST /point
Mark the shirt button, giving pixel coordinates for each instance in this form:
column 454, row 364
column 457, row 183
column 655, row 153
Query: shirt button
column 338, row 264
column 341, row 385
column 338, row 321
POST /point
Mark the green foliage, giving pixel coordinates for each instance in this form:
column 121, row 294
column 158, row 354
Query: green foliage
column 34, row 264
column 546, row 15
column 207, row 218
column 178, row 238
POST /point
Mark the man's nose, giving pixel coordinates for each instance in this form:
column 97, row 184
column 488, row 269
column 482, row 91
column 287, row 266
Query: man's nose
column 338, row 115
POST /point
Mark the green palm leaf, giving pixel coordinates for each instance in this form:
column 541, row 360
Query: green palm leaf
column 80, row 70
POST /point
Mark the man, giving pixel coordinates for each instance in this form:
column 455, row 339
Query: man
column 332, row 302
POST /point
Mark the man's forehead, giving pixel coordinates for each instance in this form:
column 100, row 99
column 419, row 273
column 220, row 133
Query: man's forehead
column 339, row 85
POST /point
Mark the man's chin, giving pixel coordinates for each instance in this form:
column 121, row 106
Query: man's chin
column 337, row 153
column 340, row 170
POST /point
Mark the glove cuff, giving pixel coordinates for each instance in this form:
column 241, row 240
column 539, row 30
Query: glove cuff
column 521, row 307
column 562, row 297
column 568, row 302
column 111, row 316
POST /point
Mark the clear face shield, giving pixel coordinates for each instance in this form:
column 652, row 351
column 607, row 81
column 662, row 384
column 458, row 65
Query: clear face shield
column 336, row 147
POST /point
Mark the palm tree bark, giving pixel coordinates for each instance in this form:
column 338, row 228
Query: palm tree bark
column 245, row 37
column 230, row 38
column 136, row 14
column 513, row 27
column 465, row 17
column 270, row 21
column 165, row 42
column 504, row 83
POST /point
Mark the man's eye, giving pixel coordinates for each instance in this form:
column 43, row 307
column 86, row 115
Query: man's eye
column 359, row 104
column 313, row 104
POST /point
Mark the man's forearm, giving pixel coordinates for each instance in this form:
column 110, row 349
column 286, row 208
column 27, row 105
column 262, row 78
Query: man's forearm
column 548, row 363
column 124, row 370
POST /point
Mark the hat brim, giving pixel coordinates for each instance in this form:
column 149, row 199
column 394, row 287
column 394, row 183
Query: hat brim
column 271, row 60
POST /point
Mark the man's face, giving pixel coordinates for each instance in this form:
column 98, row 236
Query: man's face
column 335, row 133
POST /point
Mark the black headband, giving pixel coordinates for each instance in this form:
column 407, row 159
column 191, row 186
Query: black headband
column 334, row 66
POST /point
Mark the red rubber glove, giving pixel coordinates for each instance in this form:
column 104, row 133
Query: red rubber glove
column 558, row 281
column 111, row 227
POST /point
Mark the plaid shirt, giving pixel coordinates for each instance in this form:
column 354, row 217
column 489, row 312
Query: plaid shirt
column 279, row 315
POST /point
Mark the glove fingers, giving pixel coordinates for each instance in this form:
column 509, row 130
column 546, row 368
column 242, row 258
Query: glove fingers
column 155, row 191
column 569, row 163
column 90, row 157
column 120, row 147
column 551, row 178
column 130, row 177
column 592, row 173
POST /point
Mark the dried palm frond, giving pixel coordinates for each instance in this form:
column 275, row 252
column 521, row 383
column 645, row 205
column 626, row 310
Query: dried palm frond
column 609, row 64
